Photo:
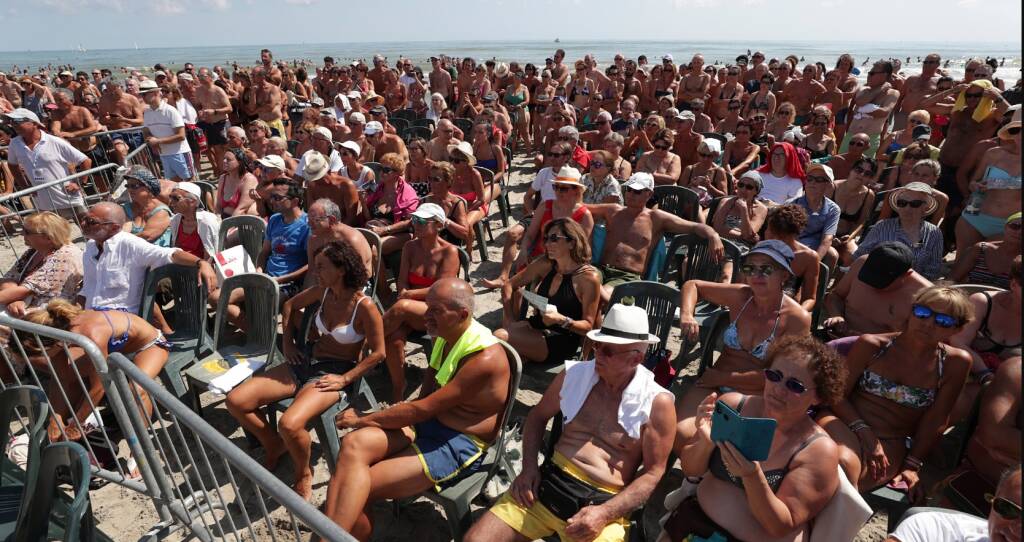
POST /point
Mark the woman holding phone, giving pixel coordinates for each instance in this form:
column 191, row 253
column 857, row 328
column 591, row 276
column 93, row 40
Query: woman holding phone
column 901, row 390
column 778, row 497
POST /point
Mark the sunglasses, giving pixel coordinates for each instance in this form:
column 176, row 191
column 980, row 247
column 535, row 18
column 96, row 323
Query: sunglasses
column 278, row 197
column 752, row 270
column 946, row 321
column 89, row 221
column 385, row 170
column 663, row 147
column 746, row 186
column 563, row 188
column 913, row 204
column 174, row 199
column 134, row 186
column 631, row 190
column 707, row 154
column 858, row 143
column 595, row 164
column 791, row 383
column 915, row 122
column 759, row 119
column 818, row 179
column 554, row 238
column 1006, row 509
column 418, row 221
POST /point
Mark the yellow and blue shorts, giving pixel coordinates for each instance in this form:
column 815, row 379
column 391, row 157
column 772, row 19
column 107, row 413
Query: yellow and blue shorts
column 446, row 454
column 538, row 522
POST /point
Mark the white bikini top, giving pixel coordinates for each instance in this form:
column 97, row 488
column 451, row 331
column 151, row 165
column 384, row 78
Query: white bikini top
column 343, row 334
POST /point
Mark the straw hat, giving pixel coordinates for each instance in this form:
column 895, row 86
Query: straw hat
column 1004, row 132
column 569, row 176
column 933, row 204
column 464, row 148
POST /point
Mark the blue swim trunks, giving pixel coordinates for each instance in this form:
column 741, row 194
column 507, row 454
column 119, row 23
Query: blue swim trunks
column 987, row 225
column 133, row 139
column 446, row 454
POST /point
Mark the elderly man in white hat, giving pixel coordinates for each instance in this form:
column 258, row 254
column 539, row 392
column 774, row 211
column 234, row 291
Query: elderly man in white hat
column 608, row 449
column 322, row 141
column 193, row 229
column 41, row 158
column 321, row 182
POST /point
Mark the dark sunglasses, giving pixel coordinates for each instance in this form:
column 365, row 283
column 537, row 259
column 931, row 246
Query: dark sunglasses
column 747, row 186
column 564, row 188
column 89, row 221
column 663, row 147
column 707, row 154
column 632, row 190
column 791, row 383
column 554, row 238
column 752, row 270
column 1006, row 509
column 385, row 170
column 558, row 154
column 818, row 179
column 596, row 164
column 942, row 320
column 913, row 204
column 858, row 143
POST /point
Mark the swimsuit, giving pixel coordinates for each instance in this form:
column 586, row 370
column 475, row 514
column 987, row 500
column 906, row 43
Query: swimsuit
column 562, row 343
column 852, row 217
column 342, row 334
column 418, row 281
column 165, row 238
column 232, row 202
column 731, row 337
column 116, row 344
column 991, row 351
column 774, row 477
column 981, row 274
column 901, row 394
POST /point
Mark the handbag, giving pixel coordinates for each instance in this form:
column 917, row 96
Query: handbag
column 564, row 495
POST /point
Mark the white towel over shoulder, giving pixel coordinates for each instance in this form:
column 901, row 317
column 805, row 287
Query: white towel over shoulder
column 635, row 406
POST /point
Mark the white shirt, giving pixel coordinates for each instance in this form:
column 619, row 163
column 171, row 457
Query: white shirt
column 47, row 161
column 340, row 113
column 188, row 113
column 335, row 163
column 115, row 277
column 942, row 527
column 164, row 121
column 634, row 405
column 779, row 190
column 542, row 183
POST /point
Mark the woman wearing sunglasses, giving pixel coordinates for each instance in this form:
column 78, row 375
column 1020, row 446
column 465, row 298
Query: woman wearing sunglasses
column 426, row 258
column 760, row 313
column 995, row 189
column 417, row 171
column 778, row 498
column 572, row 287
column 900, row 172
column 706, row 178
column 900, row 392
column 740, row 217
column 468, row 184
column 456, row 227
column 924, row 171
column 820, row 143
column 990, row 262
column 148, row 217
column 913, row 203
column 901, row 139
column 661, row 162
column 856, row 201
column 387, row 209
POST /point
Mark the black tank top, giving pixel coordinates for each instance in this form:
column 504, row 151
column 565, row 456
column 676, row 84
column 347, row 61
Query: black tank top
column 564, row 298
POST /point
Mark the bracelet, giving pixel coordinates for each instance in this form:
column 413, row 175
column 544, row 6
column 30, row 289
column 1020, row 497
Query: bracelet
column 567, row 323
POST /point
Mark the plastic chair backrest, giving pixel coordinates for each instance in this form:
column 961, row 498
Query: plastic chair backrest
column 713, row 208
column 413, row 132
column 209, row 194
column 508, row 157
column 375, row 246
column 488, row 178
column 464, row 124
column 678, row 200
column 515, row 376
column 698, row 258
column 32, row 402
column 407, row 115
column 819, row 295
column 34, row 515
column 464, row 262
column 262, row 305
column 252, row 231
column 400, row 124
column 716, row 325
column 189, row 300
column 426, row 123
column 293, row 145
column 658, row 300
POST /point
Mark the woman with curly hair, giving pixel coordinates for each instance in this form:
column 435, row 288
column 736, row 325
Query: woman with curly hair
column 318, row 369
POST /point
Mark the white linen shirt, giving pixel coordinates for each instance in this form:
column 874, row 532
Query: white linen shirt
column 114, row 278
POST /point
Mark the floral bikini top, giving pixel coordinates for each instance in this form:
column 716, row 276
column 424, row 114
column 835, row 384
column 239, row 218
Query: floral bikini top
column 901, row 394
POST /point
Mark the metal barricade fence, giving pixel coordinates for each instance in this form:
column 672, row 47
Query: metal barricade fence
column 197, row 482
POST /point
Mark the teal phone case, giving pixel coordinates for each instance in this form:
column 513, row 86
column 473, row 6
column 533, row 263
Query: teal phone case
column 751, row 436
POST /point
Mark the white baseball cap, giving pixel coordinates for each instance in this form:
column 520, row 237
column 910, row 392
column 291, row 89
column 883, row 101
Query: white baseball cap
column 640, row 181
column 350, row 145
column 431, row 211
column 22, row 114
column 373, row 127
column 272, row 161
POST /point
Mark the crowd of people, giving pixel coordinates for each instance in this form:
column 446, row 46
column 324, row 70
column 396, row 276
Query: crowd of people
column 839, row 214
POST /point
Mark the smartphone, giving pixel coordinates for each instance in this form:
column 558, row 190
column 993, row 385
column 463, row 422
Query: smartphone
column 751, row 436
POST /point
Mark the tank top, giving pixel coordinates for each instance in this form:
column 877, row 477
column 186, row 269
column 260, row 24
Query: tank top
column 190, row 242
column 565, row 298
column 548, row 216
column 165, row 238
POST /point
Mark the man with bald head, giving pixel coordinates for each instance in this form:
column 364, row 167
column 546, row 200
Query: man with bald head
column 115, row 261
column 444, row 135
column 436, row 440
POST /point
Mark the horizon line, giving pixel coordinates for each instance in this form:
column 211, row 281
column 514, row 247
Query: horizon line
column 560, row 43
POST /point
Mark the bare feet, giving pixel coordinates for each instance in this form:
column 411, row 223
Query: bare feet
column 493, row 284
column 273, row 455
column 304, row 484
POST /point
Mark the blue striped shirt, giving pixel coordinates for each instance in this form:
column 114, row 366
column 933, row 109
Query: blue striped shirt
column 928, row 251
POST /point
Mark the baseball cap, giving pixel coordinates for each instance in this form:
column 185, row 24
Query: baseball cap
column 350, row 145
column 148, row 85
column 328, row 113
column 778, row 251
column 324, row 132
column 21, row 114
column 185, row 77
column 686, row 115
column 352, row 94
column 822, row 168
column 640, row 181
column 159, row 73
column 66, row 73
column 431, row 211
column 378, row 110
column 318, row 101
column 357, row 118
column 885, row 263
column 272, row 161
column 667, row 58
column 373, row 127
column 922, row 131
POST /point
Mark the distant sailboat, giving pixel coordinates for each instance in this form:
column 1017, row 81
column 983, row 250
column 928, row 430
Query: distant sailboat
column 136, row 46
column 81, row 49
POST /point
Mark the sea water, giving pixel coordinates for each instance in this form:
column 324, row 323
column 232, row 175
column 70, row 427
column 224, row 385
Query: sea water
column 715, row 52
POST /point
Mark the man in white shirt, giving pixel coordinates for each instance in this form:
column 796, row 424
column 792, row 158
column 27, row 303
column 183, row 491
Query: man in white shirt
column 41, row 158
column 167, row 133
column 115, row 261
column 937, row 525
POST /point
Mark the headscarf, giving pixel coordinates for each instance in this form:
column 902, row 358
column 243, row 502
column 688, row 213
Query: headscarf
column 145, row 176
column 794, row 168
column 984, row 107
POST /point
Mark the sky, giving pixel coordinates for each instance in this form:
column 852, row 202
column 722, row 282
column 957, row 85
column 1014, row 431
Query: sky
column 103, row 24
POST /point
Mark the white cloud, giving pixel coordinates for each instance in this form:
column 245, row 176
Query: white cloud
column 754, row 2
column 219, row 5
column 700, row 4
column 167, row 7
column 301, row 2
